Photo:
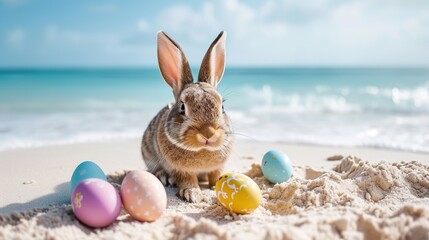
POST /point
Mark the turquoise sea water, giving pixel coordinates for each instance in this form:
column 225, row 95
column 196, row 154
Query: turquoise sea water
column 328, row 106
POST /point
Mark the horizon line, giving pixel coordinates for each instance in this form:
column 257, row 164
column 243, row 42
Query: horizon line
column 118, row 67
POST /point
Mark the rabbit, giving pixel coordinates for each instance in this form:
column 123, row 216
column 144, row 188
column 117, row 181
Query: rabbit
column 190, row 137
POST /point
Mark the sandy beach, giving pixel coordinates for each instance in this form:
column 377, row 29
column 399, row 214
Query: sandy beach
column 340, row 87
column 377, row 197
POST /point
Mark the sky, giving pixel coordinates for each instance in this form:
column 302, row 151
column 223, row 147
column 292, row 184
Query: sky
column 104, row 33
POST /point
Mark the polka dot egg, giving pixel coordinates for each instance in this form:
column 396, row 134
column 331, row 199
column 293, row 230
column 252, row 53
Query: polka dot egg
column 238, row 193
column 143, row 196
column 95, row 202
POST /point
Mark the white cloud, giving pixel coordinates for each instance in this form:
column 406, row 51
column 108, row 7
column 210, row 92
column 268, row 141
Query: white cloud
column 15, row 37
column 271, row 32
column 190, row 23
column 325, row 32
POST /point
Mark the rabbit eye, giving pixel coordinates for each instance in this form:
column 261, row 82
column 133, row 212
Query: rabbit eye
column 182, row 108
column 223, row 108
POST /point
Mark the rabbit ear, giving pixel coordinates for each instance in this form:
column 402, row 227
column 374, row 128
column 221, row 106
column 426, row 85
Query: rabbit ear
column 173, row 64
column 213, row 64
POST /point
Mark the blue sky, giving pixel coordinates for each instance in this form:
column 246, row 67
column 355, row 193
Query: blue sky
column 260, row 33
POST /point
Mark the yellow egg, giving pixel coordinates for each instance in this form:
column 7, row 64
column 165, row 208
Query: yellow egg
column 238, row 193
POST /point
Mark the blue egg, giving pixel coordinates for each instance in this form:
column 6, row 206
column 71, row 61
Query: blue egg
column 276, row 166
column 86, row 170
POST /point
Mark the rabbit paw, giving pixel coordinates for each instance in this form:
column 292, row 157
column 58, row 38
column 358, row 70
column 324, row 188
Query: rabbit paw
column 165, row 178
column 193, row 195
column 213, row 177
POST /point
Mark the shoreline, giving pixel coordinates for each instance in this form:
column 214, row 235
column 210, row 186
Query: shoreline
column 39, row 177
column 279, row 142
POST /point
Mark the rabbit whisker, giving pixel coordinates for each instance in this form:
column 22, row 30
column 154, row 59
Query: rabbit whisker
column 241, row 134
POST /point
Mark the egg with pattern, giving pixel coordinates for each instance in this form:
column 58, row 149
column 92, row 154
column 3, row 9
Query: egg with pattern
column 96, row 202
column 143, row 196
column 238, row 193
column 276, row 166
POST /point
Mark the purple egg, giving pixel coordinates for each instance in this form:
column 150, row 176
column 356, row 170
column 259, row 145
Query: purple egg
column 96, row 202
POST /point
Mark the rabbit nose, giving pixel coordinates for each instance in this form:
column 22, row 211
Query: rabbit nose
column 208, row 131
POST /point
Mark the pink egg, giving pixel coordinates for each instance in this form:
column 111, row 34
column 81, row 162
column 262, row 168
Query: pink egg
column 96, row 202
column 143, row 195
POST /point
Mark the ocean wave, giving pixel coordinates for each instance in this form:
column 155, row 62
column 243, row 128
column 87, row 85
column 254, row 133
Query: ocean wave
column 29, row 142
column 304, row 104
column 325, row 99
column 394, row 131
column 86, row 104
column 33, row 129
column 334, row 115
column 269, row 100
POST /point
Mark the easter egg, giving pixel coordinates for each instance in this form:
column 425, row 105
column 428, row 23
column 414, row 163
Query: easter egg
column 84, row 171
column 238, row 193
column 276, row 166
column 143, row 195
column 95, row 202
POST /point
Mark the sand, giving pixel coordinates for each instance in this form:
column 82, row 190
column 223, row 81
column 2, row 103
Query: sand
column 378, row 194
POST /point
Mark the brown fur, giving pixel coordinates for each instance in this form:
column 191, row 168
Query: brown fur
column 179, row 147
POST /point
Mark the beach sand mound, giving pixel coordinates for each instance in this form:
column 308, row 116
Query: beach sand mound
column 355, row 200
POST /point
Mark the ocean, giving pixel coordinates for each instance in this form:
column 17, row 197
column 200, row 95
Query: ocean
column 371, row 107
